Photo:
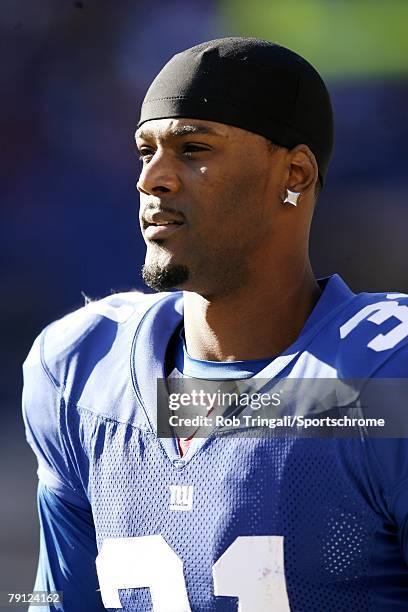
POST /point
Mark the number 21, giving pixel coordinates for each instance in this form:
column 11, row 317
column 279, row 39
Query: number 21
column 251, row 569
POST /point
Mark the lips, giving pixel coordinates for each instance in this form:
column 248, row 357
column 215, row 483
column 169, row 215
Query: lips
column 161, row 224
column 154, row 232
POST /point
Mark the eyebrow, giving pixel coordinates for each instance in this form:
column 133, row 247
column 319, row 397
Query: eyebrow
column 182, row 130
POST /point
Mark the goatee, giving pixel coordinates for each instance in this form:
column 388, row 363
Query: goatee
column 162, row 278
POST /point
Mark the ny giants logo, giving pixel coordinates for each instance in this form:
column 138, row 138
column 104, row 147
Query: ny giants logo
column 181, row 497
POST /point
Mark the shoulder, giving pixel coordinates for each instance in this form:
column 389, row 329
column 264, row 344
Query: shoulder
column 373, row 335
column 88, row 334
column 376, row 309
column 77, row 370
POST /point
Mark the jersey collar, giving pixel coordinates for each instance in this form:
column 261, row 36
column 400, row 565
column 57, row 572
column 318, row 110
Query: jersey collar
column 161, row 320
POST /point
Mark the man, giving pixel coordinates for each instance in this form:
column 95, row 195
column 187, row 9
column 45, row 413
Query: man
column 235, row 136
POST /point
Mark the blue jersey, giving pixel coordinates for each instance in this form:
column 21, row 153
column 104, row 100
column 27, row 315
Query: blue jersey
column 248, row 524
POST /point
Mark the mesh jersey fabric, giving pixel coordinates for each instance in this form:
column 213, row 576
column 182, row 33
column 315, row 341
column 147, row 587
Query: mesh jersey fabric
column 340, row 505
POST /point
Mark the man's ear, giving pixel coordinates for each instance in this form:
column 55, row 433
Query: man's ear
column 303, row 170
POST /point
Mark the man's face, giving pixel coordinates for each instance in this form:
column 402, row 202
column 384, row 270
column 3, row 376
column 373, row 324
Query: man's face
column 207, row 198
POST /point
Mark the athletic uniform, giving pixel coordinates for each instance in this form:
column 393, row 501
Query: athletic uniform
column 248, row 523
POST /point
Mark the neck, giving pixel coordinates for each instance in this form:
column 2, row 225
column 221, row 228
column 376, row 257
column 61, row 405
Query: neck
column 257, row 321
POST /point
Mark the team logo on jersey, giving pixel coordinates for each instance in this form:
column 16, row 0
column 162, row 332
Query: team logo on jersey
column 181, row 497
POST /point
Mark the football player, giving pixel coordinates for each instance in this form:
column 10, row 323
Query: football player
column 235, row 137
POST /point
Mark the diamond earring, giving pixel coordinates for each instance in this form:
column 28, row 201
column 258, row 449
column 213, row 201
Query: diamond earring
column 291, row 197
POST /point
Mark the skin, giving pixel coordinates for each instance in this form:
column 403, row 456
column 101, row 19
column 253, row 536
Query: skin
column 251, row 286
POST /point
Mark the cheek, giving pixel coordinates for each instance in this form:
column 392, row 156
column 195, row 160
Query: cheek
column 248, row 210
column 246, row 195
column 228, row 199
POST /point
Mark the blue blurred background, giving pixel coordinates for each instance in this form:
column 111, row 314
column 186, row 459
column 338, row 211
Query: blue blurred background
column 73, row 75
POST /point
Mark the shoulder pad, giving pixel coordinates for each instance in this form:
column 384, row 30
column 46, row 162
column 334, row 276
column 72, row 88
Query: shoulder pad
column 89, row 332
column 371, row 330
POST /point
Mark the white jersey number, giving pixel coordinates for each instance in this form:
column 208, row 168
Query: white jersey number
column 378, row 313
column 251, row 569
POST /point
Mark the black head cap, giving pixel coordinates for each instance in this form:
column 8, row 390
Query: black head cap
column 249, row 83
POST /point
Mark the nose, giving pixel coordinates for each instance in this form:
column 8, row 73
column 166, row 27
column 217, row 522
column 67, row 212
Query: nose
column 159, row 175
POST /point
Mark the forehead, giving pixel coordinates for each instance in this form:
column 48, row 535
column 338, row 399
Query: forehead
column 177, row 127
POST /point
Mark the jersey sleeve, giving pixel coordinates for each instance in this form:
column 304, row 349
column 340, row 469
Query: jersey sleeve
column 391, row 453
column 45, row 426
column 67, row 555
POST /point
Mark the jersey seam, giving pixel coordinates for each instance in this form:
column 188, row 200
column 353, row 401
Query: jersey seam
column 71, row 471
column 397, row 489
column 135, row 385
column 55, row 383
column 389, row 492
column 107, row 418
column 58, row 389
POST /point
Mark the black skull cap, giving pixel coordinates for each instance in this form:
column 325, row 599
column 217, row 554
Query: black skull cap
column 249, row 83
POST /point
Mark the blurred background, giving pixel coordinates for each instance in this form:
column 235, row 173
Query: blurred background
column 73, row 75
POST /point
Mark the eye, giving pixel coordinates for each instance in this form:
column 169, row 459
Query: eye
column 190, row 148
column 145, row 154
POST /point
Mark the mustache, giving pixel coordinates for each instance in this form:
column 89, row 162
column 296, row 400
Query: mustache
column 154, row 209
